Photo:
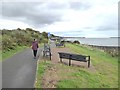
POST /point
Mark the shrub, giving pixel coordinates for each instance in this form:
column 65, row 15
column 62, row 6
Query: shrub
column 7, row 43
column 12, row 38
column 76, row 42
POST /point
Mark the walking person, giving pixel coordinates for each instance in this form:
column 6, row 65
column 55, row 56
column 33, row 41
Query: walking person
column 35, row 47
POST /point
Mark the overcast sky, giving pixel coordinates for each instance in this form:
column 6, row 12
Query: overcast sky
column 83, row 18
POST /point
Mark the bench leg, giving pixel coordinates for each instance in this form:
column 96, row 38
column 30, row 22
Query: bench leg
column 61, row 60
column 50, row 56
column 69, row 62
column 43, row 54
column 88, row 63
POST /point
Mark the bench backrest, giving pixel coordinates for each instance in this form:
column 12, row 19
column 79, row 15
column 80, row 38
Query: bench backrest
column 73, row 56
column 64, row 55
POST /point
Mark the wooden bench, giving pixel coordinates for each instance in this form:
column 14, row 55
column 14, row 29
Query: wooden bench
column 47, row 51
column 75, row 57
column 60, row 44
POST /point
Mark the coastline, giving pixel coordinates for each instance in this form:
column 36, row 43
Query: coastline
column 104, row 42
column 109, row 45
column 112, row 50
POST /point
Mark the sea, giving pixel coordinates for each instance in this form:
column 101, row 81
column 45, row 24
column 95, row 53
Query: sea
column 111, row 42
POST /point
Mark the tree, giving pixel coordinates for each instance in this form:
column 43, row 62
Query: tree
column 76, row 42
column 45, row 35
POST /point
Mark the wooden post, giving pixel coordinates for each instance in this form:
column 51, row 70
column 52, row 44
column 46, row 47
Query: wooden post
column 88, row 61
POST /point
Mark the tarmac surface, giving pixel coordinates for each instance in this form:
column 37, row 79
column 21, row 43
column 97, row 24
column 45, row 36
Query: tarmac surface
column 19, row 71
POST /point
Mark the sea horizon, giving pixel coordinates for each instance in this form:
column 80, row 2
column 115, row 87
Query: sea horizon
column 111, row 41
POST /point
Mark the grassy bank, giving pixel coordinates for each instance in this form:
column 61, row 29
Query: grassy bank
column 106, row 75
column 11, row 52
column 60, row 75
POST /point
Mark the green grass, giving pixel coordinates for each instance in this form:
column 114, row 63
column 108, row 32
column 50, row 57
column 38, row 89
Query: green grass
column 42, row 66
column 84, row 79
column 7, row 54
column 106, row 75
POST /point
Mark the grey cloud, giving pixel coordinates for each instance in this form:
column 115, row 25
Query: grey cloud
column 107, row 28
column 38, row 14
column 15, row 9
column 70, row 33
column 109, row 24
column 31, row 13
column 55, row 5
column 79, row 5
column 46, row 18
column 88, row 28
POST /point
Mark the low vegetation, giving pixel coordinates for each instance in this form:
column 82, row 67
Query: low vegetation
column 12, row 41
column 10, row 53
column 104, row 74
column 21, row 37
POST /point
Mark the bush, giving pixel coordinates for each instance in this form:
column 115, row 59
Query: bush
column 13, row 38
column 7, row 42
column 44, row 40
column 76, row 42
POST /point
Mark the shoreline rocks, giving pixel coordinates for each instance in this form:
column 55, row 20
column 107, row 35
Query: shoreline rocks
column 112, row 50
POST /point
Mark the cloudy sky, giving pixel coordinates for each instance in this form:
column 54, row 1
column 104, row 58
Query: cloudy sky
column 83, row 18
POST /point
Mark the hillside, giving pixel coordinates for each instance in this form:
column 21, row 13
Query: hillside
column 16, row 40
column 20, row 37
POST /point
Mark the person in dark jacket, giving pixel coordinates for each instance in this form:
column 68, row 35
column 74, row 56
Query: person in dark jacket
column 35, row 48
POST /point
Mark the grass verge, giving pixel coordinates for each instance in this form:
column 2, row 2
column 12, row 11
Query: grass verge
column 42, row 66
column 7, row 54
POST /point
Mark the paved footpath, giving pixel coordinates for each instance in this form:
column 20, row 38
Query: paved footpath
column 19, row 71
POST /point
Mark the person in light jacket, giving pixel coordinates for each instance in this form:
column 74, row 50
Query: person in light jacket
column 35, row 48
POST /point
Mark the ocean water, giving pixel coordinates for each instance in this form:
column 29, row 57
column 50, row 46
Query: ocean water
column 97, row 41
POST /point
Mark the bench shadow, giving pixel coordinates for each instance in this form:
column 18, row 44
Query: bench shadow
column 74, row 65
